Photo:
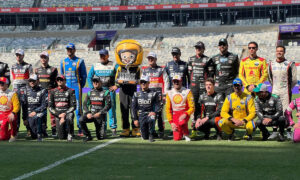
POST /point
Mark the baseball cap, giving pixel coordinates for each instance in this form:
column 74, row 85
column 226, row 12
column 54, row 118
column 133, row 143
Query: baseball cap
column 61, row 77
column 96, row 78
column 20, row 51
column 70, row 46
column 33, row 77
column 44, row 53
column 177, row 77
column 145, row 78
column 176, row 50
column 152, row 54
column 237, row 81
column 4, row 80
column 223, row 41
column 261, row 87
column 200, row 44
column 103, row 52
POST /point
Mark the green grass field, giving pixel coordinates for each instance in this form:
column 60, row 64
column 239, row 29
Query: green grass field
column 132, row 158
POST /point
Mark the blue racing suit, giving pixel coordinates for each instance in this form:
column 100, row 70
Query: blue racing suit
column 107, row 73
column 75, row 72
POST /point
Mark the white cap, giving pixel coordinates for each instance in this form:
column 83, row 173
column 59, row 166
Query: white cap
column 33, row 77
column 20, row 51
column 145, row 78
column 44, row 53
column 177, row 77
column 152, row 54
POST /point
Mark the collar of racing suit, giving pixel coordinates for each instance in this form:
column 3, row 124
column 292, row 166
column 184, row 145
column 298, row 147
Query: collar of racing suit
column 62, row 89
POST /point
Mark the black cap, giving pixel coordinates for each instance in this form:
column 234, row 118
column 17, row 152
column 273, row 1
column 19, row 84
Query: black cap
column 176, row 50
column 200, row 44
column 223, row 41
column 96, row 78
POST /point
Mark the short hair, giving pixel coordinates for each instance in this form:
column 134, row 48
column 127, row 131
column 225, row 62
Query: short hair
column 253, row 42
column 280, row 46
column 210, row 80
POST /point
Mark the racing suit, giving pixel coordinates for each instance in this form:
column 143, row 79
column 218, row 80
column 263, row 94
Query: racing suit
column 157, row 77
column 96, row 101
column 270, row 107
column 75, row 72
column 253, row 71
column 226, row 70
column 107, row 73
column 63, row 100
column 4, row 70
column 210, row 106
column 47, row 77
column 126, row 80
column 283, row 77
column 144, row 102
column 35, row 100
column 200, row 68
column 177, row 68
column 20, row 74
column 9, row 102
column 295, row 104
column 239, row 107
column 179, row 103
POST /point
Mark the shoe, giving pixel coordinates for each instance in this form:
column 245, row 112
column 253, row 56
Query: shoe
column 193, row 134
column 135, row 132
column 273, row 136
column 280, row 137
column 28, row 133
column 80, row 134
column 39, row 138
column 151, row 138
column 114, row 132
column 45, row 135
column 161, row 135
column 219, row 136
column 289, row 136
column 12, row 139
column 206, row 137
column 265, row 137
column 249, row 138
column 155, row 135
column 125, row 133
column 70, row 138
column 53, row 132
column 187, row 139
column 231, row 137
column 88, row 138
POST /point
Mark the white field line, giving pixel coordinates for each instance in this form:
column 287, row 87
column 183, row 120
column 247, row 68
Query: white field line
column 57, row 163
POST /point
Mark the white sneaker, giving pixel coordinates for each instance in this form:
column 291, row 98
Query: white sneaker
column 12, row 139
column 289, row 135
column 187, row 139
column 70, row 137
column 273, row 136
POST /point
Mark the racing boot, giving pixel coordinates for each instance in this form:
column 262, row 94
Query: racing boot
column 280, row 137
column 193, row 134
column 151, row 138
column 125, row 133
column 274, row 135
column 135, row 132
column 289, row 135
column 114, row 132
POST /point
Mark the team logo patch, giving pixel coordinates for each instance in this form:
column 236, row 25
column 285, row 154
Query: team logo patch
column 67, row 63
column 242, row 102
column 230, row 61
column 74, row 64
column 3, row 100
column 271, row 103
column 49, row 71
column 256, row 63
column 177, row 99
column 222, row 60
column 70, row 69
column 218, row 67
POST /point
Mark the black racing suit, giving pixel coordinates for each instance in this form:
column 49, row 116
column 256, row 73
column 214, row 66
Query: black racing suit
column 127, row 80
column 270, row 107
column 144, row 102
column 35, row 100
column 210, row 106
column 157, row 77
column 4, row 70
column 177, row 68
column 96, row 101
column 47, row 77
column 20, row 74
column 200, row 68
column 63, row 100
column 226, row 70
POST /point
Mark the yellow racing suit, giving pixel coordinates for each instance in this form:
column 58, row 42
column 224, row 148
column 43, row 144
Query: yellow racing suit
column 238, row 107
column 253, row 71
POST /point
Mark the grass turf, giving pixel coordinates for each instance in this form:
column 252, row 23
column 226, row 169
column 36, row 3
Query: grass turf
column 133, row 158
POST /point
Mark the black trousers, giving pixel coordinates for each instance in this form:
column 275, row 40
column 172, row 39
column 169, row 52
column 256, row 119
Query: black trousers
column 280, row 122
column 99, row 124
column 35, row 124
column 196, row 93
column 147, row 125
column 125, row 96
column 65, row 128
column 210, row 123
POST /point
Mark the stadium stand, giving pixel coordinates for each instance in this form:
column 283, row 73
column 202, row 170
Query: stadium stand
column 16, row 3
column 79, row 3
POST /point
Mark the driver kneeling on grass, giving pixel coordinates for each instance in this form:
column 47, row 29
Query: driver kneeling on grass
column 238, row 112
column 9, row 107
column 179, row 107
column 96, row 105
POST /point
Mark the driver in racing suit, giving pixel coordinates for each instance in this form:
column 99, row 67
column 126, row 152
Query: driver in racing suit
column 73, row 68
column 226, row 66
column 9, row 107
column 283, row 77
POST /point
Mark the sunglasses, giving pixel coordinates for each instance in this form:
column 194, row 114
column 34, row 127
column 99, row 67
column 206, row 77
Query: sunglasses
column 143, row 82
column 251, row 47
column 44, row 57
column 222, row 44
column 2, row 83
column 175, row 54
column 96, row 81
column 59, row 79
column 237, row 85
column 31, row 81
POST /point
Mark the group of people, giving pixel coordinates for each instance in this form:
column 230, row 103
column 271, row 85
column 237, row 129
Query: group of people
column 220, row 92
